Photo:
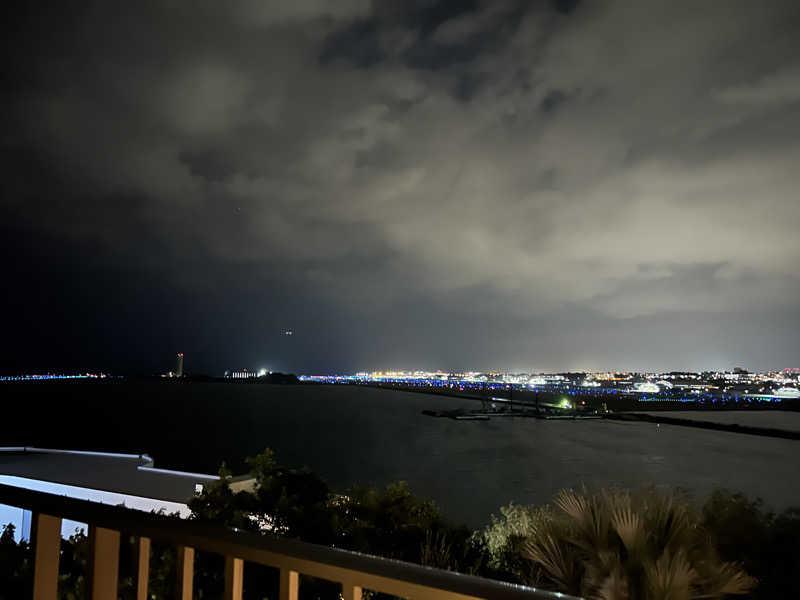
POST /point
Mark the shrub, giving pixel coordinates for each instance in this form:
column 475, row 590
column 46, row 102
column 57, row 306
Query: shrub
column 619, row 544
column 765, row 544
column 504, row 538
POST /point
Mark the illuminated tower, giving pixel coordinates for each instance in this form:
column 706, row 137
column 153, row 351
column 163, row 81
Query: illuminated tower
column 179, row 370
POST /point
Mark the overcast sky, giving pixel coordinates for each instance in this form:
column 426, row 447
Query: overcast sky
column 542, row 185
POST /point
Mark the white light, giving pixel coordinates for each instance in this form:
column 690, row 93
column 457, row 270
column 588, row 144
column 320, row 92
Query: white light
column 647, row 387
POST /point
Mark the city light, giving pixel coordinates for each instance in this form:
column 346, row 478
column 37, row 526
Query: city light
column 50, row 376
column 711, row 387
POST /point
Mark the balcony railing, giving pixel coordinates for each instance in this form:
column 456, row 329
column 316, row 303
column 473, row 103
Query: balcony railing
column 353, row 570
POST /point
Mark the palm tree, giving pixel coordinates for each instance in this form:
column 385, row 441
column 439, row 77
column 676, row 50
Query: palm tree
column 622, row 545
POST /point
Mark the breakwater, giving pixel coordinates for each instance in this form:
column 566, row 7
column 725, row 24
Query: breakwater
column 664, row 417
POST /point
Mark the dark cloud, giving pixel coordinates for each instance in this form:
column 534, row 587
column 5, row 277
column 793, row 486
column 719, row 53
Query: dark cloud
column 468, row 85
column 425, row 35
column 359, row 44
column 565, row 6
column 553, row 100
column 444, row 184
column 209, row 164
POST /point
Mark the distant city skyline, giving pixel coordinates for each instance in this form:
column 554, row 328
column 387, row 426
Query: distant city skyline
column 245, row 372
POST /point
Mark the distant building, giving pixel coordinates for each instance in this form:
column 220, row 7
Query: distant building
column 243, row 374
column 179, row 370
column 786, row 392
column 545, row 380
column 647, row 387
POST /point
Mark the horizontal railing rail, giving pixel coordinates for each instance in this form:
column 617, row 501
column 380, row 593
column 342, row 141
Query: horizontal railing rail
column 353, row 570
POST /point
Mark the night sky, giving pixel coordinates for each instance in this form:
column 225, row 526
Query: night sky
column 544, row 185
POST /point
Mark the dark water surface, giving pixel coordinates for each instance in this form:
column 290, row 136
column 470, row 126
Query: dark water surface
column 363, row 435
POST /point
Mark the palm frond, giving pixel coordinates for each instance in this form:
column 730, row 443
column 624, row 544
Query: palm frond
column 670, row 577
column 725, row 579
column 574, row 504
column 629, row 527
column 614, row 587
column 557, row 561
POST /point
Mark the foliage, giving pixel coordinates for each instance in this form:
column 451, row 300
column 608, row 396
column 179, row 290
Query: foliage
column 293, row 502
column 17, row 566
column 16, row 559
column 218, row 503
column 764, row 543
column 504, row 538
column 620, row 544
column 73, row 566
column 390, row 522
column 297, row 503
column 609, row 544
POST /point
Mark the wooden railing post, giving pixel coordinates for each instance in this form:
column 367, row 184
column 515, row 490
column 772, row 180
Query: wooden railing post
column 234, row 578
column 290, row 584
column 185, row 569
column 103, row 563
column 46, row 538
column 142, row 567
column 350, row 591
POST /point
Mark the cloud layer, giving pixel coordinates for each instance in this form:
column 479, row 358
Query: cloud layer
column 533, row 185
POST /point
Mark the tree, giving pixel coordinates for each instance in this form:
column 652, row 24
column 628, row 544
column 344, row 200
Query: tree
column 766, row 544
column 16, row 566
column 389, row 522
column 297, row 503
column 290, row 502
